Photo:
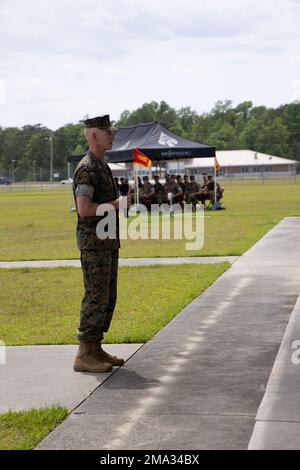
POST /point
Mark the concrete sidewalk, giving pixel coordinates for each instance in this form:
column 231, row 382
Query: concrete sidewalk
column 122, row 262
column 278, row 418
column 37, row 376
column 199, row 383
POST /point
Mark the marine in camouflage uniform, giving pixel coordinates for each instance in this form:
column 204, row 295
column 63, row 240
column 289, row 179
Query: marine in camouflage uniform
column 159, row 196
column 99, row 259
column 192, row 191
column 147, row 192
column 171, row 186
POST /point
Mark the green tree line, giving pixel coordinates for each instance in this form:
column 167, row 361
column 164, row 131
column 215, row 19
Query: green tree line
column 270, row 130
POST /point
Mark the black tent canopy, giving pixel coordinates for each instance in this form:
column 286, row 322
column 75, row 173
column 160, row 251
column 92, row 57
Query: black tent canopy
column 156, row 141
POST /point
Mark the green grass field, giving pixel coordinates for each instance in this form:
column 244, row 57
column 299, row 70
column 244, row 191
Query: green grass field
column 38, row 225
column 24, row 430
column 41, row 306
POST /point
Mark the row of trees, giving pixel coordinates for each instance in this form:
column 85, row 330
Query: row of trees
column 276, row 131
column 27, row 150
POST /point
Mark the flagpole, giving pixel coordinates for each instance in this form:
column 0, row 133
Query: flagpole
column 136, row 188
column 134, row 185
column 215, row 181
column 139, row 159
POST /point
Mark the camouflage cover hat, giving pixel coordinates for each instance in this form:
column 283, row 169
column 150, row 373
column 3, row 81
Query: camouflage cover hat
column 101, row 122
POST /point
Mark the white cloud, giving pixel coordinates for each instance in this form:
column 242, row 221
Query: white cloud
column 2, row 92
column 64, row 59
column 296, row 90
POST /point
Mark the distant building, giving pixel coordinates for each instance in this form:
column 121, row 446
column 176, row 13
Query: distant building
column 243, row 163
column 239, row 163
column 118, row 169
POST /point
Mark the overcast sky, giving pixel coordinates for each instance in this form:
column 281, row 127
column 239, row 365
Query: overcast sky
column 63, row 59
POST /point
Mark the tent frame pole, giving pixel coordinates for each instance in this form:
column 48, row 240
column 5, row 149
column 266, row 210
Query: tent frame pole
column 137, row 202
column 215, row 178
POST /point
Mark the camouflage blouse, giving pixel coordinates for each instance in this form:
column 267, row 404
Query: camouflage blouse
column 95, row 175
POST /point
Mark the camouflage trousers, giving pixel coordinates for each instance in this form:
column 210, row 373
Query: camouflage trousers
column 100, row 270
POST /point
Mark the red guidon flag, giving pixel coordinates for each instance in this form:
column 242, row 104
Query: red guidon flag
column 217, row 164
column 139, row 158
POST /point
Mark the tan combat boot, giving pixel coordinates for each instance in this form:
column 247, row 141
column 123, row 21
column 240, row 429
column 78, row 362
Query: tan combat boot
column 105, row 357
column 87, row 360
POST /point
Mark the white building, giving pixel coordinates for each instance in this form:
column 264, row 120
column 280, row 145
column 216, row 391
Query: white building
column 232, row 163
column 243, row 163
column 118, row 169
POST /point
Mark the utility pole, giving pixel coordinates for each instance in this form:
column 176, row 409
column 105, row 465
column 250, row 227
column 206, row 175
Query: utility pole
column 34, row 177
column 51, row 158
column 12, row 170
column 50, row 139
column 12, row 173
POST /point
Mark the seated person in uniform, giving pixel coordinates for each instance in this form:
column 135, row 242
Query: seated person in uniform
column 192, row 191
column 204, row 195
column 179, row 181
column 182, row 185
column 132, row 190
column 167, row 177
column 205, row 180
column 185, row 180
column 173, row 191
column 159, row 191
column 147, row 192
column 211, row 188
column 185, row 185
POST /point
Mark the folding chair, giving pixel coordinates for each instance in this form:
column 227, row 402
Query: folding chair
column 210, row 201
